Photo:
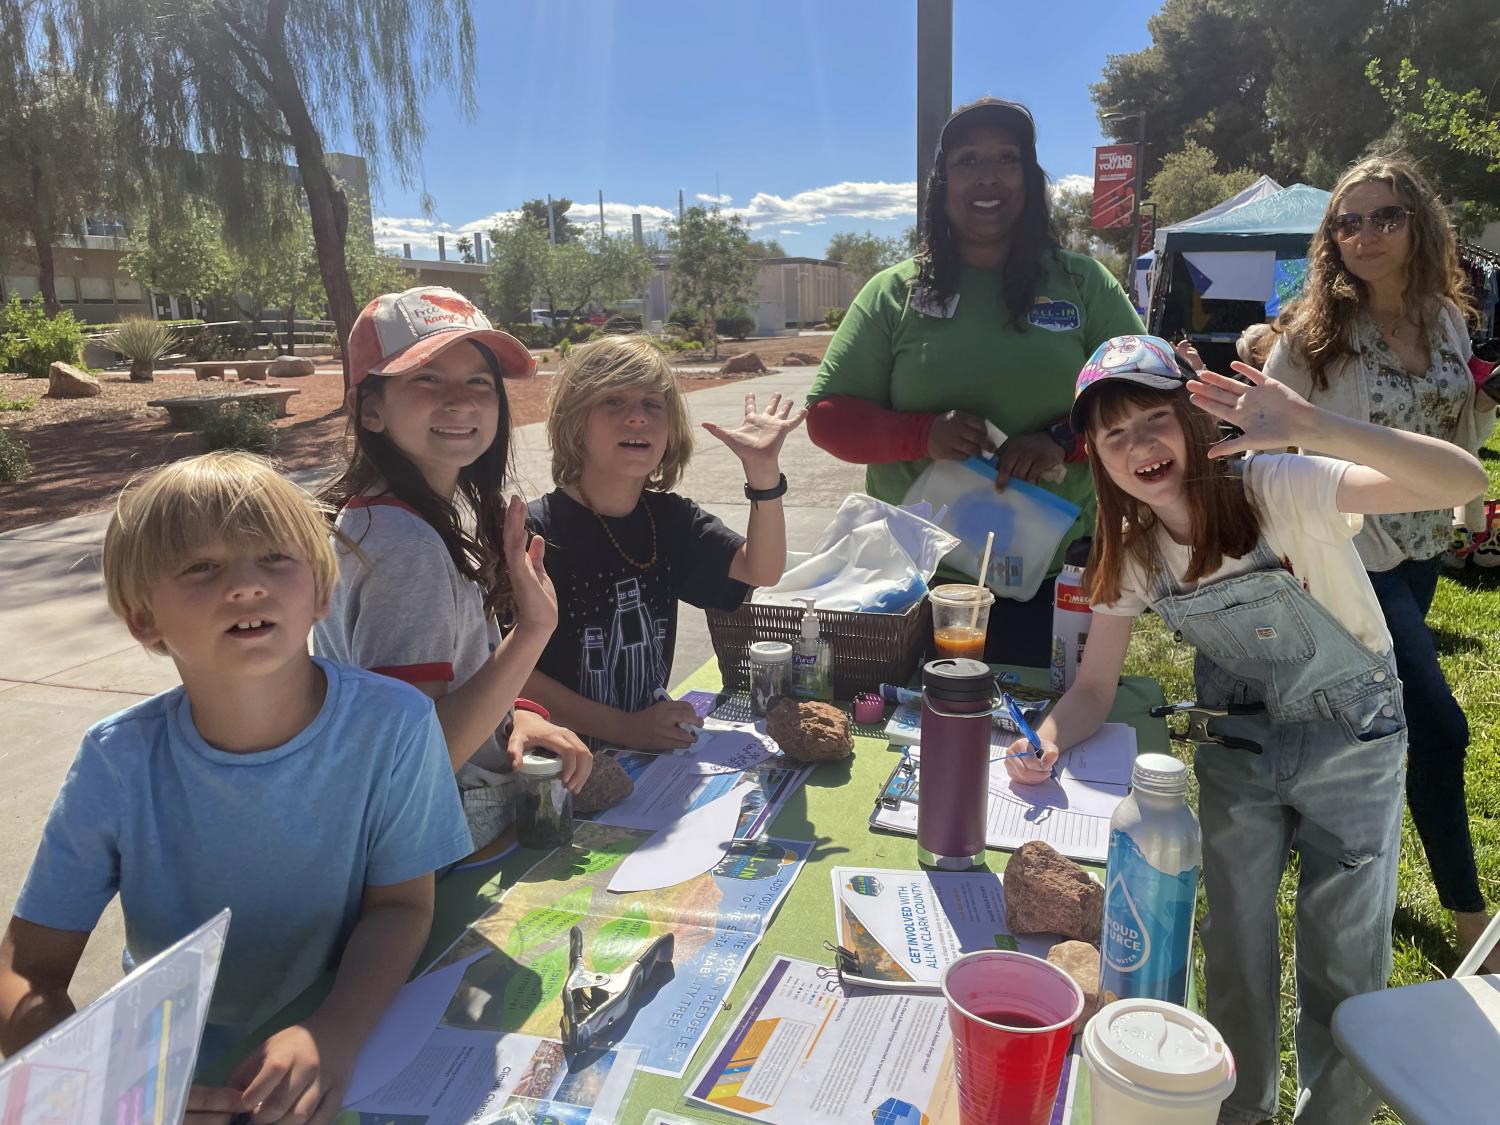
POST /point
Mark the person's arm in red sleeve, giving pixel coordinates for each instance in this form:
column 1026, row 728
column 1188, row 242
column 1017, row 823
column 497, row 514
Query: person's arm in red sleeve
column 866, row 433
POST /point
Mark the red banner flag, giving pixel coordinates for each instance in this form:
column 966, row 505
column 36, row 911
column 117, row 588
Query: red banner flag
column 1114, row 185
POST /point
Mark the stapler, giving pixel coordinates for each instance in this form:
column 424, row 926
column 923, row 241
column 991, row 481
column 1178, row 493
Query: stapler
column 594, row 1002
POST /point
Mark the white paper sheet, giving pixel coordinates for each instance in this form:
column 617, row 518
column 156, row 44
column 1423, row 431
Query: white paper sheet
column 735, row 749
column 391, row 1046
column 663, row 794
column 685, row 848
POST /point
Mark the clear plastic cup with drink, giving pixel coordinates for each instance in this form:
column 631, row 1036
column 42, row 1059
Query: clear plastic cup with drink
column 1155, row 1063
column 957, row 629
column 1012, row 1017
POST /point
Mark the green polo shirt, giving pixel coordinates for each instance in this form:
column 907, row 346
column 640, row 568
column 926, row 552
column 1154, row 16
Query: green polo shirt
column 908, row 357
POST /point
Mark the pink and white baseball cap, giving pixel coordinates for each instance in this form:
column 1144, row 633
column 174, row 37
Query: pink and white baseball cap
column 399, row 332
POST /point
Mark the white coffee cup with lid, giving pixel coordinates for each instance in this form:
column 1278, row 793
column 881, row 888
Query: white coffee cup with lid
column 1154, row 1063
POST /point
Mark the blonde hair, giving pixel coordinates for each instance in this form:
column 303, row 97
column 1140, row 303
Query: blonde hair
column 1255, row 344
column 165, row 516
column 1321, row 324
column 614, row 363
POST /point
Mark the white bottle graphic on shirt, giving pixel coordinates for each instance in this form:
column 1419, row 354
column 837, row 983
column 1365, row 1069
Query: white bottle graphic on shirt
column 632, row 662
column 593, row 670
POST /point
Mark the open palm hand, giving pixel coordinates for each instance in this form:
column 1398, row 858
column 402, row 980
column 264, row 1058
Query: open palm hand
column 757, row 440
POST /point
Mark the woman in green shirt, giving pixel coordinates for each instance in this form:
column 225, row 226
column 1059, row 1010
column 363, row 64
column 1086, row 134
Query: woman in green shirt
column 991, row 321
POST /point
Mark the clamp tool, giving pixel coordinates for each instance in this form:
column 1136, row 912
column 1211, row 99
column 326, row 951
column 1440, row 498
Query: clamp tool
column 1199, row 718
column 594, row 1002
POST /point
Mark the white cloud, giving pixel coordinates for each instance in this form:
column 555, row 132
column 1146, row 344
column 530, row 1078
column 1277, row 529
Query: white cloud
column 810, row 208
column 1074, row 182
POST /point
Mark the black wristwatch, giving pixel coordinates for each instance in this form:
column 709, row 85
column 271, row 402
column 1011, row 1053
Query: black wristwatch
column 774, row 493
column 1062, row 433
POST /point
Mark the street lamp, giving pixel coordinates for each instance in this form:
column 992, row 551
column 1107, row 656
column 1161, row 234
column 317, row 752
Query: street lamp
column 1140, row 172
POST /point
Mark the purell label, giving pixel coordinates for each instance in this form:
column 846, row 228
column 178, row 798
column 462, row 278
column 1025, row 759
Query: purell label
column 804, row 673
column 1148, row 926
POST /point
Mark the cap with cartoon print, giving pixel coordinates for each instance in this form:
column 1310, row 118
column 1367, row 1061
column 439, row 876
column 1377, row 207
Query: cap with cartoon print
column 1148, row 361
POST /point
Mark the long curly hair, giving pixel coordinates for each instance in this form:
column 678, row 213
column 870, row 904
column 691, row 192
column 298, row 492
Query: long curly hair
column 1322, row 325
column 375, row 460
column 1035, row 235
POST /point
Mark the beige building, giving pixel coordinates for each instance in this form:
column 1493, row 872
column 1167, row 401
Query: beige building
column 90, row 271
column 789, row 292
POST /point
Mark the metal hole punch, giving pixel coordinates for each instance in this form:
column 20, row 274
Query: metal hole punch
column 1198, row 718
column 594, row 1002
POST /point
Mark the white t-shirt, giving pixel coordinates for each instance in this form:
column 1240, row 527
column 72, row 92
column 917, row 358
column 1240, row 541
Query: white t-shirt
column 1297, row 500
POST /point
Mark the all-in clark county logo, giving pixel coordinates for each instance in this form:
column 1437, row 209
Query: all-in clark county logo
column 434, row 309
column 1055, row 316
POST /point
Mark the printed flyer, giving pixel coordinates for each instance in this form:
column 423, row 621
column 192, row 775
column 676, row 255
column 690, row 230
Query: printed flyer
column 908, row 926
column 516, row 983
column 807, row 1049
column 775, row 781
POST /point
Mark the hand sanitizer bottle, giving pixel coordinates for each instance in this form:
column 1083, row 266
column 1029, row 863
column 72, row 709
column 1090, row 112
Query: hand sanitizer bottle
column 812, row 659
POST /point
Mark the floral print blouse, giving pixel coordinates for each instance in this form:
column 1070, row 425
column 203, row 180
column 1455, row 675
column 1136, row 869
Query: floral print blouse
column 1428, row 404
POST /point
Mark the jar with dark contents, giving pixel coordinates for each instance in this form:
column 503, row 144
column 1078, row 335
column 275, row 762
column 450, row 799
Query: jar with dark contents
column 770, row 674
column 544, row 807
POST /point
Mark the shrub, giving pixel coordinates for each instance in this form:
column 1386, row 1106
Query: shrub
column 736, row 324
column 581, row 332
column 25, row 402
column 531, row 335
column 142, row 342
column 31, row 341
column 688, row 316
column 241, row 425
column 833, row 317
column 623, row 323
column 228, row 341
column 564, row 346
column 14, row 464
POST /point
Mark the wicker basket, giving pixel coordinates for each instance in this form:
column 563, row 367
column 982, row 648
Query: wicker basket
column 868, row 649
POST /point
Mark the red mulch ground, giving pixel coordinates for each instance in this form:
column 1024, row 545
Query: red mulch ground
column 83, row 450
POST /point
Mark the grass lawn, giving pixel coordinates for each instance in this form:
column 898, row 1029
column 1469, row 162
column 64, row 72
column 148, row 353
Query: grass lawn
column 1465, row 619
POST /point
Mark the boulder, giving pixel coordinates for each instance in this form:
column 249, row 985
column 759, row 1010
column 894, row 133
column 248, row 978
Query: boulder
column 607, row 786
column 290, row 366
column 66, row 381
column 810, row 731
column 1047, row 893
column 746, row 363
column 800, row 359
column 1079, row 960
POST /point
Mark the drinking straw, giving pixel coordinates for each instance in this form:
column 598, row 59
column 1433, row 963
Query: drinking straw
column 984, row 569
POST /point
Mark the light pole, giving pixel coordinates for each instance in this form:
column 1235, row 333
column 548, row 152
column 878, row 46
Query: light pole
column 1140, row 175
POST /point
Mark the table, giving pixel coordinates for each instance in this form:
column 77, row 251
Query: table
column 832, row 808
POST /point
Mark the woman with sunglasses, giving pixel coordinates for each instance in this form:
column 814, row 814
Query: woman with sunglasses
column 1380, row 336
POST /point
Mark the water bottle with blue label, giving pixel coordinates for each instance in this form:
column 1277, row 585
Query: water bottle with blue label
column 1150, row 886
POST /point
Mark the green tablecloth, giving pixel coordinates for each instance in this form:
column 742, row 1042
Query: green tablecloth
column 832, row 808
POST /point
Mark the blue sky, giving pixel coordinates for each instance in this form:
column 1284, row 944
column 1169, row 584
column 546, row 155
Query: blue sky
column 798, row 114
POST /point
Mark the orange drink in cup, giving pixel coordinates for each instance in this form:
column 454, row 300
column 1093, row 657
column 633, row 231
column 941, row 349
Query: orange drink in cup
column 957, row 629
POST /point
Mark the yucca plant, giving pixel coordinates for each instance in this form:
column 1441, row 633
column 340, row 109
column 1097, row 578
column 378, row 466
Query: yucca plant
column 142, row 341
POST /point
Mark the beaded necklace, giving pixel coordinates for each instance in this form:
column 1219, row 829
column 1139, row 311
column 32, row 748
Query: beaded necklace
column 650, row 519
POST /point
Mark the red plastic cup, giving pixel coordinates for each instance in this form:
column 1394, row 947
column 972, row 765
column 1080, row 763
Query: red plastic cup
column 1012, row 1017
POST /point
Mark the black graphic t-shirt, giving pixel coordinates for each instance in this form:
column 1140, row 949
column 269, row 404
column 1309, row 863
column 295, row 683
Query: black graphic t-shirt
column 617, row 623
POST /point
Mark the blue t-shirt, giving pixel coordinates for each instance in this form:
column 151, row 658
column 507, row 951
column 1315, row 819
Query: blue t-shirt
column 287, row 838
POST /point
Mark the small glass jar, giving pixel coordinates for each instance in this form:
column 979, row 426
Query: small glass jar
column 544, row 807
column 770, row 674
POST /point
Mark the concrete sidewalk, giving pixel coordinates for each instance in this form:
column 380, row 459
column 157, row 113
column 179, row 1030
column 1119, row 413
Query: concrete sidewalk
column 66, row 662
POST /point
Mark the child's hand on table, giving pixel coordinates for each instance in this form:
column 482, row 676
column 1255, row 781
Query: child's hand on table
column 298, row 1076
column 529, row 731
column 655, row 727
column 1023, row 765
column 758, row 439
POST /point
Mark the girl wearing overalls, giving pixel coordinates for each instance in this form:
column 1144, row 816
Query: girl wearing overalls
column 1252, row 563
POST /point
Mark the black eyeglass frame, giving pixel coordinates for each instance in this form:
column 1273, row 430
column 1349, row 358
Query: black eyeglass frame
column 1348, row 224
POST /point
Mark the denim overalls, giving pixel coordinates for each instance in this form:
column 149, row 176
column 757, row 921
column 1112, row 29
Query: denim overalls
column 1327, row 783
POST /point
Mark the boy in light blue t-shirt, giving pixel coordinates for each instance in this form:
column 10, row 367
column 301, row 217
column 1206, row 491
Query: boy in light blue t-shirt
column 313, row 799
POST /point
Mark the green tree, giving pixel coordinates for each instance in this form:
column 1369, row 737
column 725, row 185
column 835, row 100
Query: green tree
column 766, row 248
column 251, row 82
column 864, row 255
column 1073, row 212
column 1190, row 182
column 185, row 254
column 518, row 263
column 711, row 265
column 465, row 248
column 534, row 213
column 1460, row 123
column 604, row 269
column 56, row 159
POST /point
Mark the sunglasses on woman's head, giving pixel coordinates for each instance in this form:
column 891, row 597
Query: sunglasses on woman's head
column 1387, row 220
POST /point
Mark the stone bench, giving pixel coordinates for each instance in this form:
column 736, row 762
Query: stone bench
column 190, row 412
column 253, row 369
column 215, row 370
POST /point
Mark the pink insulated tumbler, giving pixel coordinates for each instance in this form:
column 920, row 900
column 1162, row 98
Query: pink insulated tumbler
column 954, row 786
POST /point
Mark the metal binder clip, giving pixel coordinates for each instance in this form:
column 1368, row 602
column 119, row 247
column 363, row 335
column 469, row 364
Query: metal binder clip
column 1198, row 720
column 900, row 786
column 594, row 1002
